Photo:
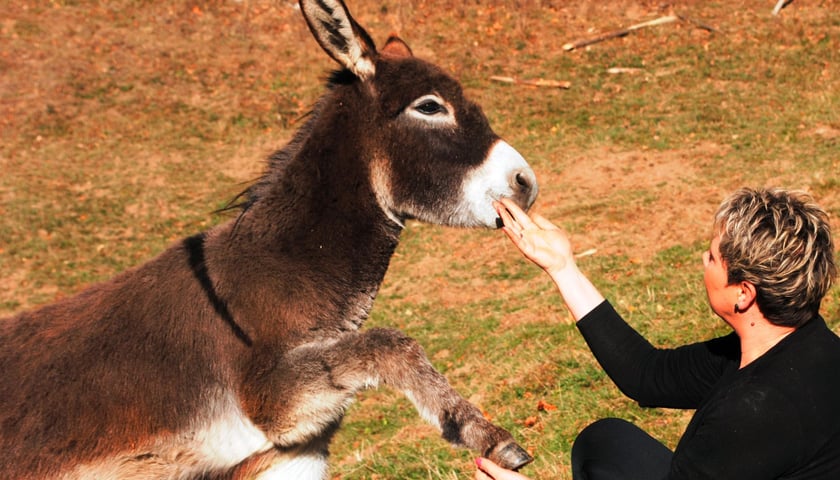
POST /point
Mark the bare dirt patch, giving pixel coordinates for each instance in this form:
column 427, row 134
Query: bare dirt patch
column 668, row 202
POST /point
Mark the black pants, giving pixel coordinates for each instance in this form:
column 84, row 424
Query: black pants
column 614, row 449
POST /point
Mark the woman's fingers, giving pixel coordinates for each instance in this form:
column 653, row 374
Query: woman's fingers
column 516, row 213
column 509, row 210
column 543, row 222
column 487, row 470
column 479, row 475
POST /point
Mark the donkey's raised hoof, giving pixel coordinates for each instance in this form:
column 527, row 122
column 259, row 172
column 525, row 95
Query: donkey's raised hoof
column 510, row 455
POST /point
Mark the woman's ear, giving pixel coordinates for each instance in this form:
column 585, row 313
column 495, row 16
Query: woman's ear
column 746, row 296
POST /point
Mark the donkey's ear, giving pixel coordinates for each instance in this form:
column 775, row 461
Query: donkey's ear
column 340, row 36
column 395, row 47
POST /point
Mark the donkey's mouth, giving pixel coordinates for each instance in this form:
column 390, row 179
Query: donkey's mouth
column 498, row 207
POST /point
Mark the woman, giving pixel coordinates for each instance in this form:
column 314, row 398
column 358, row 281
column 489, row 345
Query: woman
column 767, row 396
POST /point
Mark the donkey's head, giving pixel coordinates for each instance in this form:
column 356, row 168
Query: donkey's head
column 430, row 152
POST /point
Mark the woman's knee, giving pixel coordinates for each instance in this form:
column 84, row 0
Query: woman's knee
column 605, row 430
column 617, row 449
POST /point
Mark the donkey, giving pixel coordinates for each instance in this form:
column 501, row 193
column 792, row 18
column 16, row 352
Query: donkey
column 235, row 353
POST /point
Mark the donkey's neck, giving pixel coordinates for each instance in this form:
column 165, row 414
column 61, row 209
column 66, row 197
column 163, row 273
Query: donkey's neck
column 321, row 196
column 314, row 246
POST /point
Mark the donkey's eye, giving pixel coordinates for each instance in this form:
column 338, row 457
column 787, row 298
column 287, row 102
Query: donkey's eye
column 430, row 107
column 432, row 110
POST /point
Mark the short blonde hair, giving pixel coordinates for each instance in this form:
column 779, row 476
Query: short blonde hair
column 780, row 241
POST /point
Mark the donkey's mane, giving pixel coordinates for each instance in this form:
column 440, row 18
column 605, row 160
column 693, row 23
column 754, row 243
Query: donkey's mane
column 277, row 162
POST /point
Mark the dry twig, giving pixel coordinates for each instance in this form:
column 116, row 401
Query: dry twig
column 697, row 23
column 651, row 23
column 620, row 33
column 538, row 82
column 780, row 5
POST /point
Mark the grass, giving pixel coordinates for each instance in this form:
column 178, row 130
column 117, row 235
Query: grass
column 122, row 126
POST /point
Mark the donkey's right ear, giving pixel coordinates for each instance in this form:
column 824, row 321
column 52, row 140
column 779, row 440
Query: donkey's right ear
column 395, row 47
column 340, row 36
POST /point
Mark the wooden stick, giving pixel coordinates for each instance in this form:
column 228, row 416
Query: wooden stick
column 538, row 82
column 697, row 23
column 620, row 33
column 617, row 70
column 780, row 5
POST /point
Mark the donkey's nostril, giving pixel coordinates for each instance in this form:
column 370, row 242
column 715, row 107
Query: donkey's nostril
column 524, row 181
column 524, row 186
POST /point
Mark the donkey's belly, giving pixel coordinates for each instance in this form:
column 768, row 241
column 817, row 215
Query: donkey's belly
column 298, row 464
column 219, row 442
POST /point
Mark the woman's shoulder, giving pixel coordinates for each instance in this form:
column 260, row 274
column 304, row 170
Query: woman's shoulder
column 821, row 328
column 813, row 342
column 799, row 374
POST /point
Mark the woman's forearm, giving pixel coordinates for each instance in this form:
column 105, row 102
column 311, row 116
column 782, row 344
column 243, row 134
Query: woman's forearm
column 578, row 292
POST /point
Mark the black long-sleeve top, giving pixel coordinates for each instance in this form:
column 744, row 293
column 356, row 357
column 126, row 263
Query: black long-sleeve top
column 776, row 418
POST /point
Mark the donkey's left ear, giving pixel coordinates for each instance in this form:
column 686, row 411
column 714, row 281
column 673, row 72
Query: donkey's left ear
column 340, row 36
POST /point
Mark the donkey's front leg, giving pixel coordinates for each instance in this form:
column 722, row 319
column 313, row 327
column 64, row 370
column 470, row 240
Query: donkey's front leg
column 299, row 398
column 365, row 359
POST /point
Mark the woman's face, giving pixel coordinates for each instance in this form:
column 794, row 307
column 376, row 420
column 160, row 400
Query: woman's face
column 722, row 295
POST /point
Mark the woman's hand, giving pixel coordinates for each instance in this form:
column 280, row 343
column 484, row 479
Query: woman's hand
column 548, row 247
column 536, row 237
column 487, row 470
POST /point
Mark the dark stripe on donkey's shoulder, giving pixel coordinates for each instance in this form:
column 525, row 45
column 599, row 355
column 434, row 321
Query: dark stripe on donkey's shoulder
column 195, row 248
